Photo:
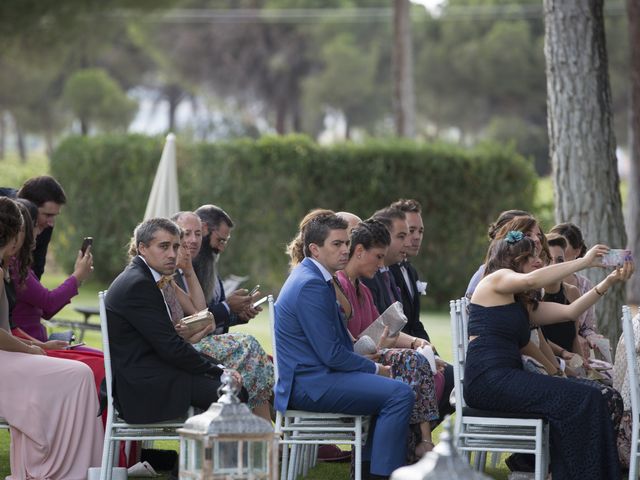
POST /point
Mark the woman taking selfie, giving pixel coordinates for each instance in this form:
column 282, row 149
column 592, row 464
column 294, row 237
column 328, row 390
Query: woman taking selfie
column 583, row 441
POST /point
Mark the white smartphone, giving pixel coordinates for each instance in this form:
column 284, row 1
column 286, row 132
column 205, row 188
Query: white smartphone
column 254, row 290
column 260, row 302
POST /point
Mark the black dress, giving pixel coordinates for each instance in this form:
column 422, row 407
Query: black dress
column 564, row 333
column 583, row 442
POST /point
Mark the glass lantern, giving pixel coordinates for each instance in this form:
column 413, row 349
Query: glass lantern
column 443, row 463
column 228, row 442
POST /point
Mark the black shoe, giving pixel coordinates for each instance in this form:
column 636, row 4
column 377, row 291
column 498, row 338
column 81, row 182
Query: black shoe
column 521, row 462
column 367, row 475
column 160, row 459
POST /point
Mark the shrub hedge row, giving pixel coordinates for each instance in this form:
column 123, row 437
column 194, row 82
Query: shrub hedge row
column 267, row 185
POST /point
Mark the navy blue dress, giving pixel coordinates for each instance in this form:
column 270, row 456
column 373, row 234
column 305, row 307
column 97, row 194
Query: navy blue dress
column 583, row 442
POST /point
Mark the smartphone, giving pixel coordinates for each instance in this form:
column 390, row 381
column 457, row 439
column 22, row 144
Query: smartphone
column 86, row 243
column 616, row 257
column 70, row 347
column 254, row 290
column 260, row 302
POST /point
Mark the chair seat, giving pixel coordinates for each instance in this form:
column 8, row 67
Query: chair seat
column 476, row 412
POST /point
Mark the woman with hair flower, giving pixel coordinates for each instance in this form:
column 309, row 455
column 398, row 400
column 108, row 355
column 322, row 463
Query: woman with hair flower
column 583, row 441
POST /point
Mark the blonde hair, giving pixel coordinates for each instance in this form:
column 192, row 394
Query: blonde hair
column 295, row 248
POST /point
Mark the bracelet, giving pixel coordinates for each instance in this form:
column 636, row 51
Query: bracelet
column 599, row 292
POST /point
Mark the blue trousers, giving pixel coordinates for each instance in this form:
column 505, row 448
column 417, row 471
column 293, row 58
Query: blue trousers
column 389, row 401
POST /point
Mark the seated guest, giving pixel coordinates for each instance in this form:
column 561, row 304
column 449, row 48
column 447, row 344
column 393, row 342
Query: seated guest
column 583, row 443
column 228, row 310
column 576, row 248
column 385, row 289
column 239, row 351
column 295, row 248
column 156, row 374
column 34, row 301
column 411, row 289
column 19, row 261
column 47, row 194
column 319, row 370
column 369, row 242
column 494, row 228
column 49, row 403
column 621, row 382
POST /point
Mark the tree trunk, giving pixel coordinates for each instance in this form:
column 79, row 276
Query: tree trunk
column 403, row 91
column 281, row 116
column 84, row 127
column 22, row 147
column 633, row 199
column 581, row 139
column 3, row 135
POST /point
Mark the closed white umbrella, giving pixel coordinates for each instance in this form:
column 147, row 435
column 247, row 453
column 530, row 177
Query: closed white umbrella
column 163, row 199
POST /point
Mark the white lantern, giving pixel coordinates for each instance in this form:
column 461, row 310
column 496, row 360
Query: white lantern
column 228, row 442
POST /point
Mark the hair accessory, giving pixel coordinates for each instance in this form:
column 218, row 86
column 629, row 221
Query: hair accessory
column 514, row 236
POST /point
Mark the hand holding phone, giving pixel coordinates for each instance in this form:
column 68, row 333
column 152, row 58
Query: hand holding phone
column 616, row 257
column 254, row 290
column 86, row 243
column 75, row 345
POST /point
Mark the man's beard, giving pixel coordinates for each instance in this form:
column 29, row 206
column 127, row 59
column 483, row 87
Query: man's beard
column 205, row 266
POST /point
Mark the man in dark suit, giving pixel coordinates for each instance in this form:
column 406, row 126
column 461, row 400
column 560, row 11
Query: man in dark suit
column 156, row 374
column 47, row 194
column 228, row 310
column 411, row 288
column 318, row 369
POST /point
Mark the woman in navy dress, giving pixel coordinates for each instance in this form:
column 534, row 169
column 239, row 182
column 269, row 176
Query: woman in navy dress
column 583, row 441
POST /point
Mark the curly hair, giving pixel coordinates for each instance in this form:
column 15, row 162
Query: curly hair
column 370, row 233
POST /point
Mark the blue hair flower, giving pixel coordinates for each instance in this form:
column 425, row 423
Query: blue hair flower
column 514, row 236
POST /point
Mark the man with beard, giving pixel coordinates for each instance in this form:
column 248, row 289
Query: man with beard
column 228, row 310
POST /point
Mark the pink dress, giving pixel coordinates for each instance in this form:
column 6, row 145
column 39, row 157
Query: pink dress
column 55, row 433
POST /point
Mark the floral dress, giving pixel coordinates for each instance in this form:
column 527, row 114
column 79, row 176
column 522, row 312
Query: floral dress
column 239, row 351
column 407, row 365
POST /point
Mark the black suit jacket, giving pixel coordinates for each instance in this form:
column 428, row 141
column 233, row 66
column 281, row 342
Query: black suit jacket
column 410, row 304
column 153, row 367
column 378, row 291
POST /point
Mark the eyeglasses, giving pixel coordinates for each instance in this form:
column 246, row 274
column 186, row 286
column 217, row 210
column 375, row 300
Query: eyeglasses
column 222, row 240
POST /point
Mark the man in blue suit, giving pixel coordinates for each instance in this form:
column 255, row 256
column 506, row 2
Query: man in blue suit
column 318, row 369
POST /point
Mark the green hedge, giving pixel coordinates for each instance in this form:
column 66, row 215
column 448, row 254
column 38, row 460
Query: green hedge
column 267, row 185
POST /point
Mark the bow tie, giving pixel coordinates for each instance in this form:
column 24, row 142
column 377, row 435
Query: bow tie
column 164, row 281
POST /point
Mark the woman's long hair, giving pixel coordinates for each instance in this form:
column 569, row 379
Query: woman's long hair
column 23, row 258
column 507, row 252
column 295, row 248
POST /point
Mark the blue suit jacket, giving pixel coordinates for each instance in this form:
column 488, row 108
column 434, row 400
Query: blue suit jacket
column 311, row 339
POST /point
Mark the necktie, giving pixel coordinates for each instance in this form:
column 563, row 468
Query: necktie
column 164, row 281
column 407, row 280
column 387, row 283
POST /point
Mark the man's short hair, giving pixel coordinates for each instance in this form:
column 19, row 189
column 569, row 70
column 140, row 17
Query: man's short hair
column 213, row 216
column 40, row 190
column 407, row 205
column 317, row 230
column 387, row 215
column 146, row 230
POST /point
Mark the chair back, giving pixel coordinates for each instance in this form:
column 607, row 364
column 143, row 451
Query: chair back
column 104, row 329
column 272, row 328
column 459, row 321
column 632, row 366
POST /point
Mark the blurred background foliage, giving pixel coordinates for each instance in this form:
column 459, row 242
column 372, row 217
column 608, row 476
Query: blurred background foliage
column 108, row 179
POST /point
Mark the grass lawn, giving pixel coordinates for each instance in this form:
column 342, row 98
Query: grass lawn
column 437, row 324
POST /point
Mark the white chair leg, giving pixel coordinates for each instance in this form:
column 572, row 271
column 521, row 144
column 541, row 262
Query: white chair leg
column 495, row 459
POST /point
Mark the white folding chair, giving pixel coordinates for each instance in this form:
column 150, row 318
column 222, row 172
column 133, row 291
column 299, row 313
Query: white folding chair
column 489, row 431
column 116, row 429
column 4, row 424
column 634, row 387
column 301, row 431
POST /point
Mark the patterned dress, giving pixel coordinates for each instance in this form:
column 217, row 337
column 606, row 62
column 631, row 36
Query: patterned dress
column 407, row 365
column 239, row 351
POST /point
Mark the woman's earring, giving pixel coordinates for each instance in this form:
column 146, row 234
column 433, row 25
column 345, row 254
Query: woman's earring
column 359, row 256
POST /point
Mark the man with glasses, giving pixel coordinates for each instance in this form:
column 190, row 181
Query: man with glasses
column 216, row 232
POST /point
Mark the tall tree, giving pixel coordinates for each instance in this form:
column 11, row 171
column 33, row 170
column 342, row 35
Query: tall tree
column 633, row 200
column 581, row 139
column 403, row 90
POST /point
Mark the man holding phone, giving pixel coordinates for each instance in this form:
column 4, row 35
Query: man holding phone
column 207, row 232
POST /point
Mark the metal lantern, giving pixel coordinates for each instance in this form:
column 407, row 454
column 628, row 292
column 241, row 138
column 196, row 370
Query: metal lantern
column 443, row 463
column 228, row 442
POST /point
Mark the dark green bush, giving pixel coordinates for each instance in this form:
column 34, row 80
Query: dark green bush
column 267, row 185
